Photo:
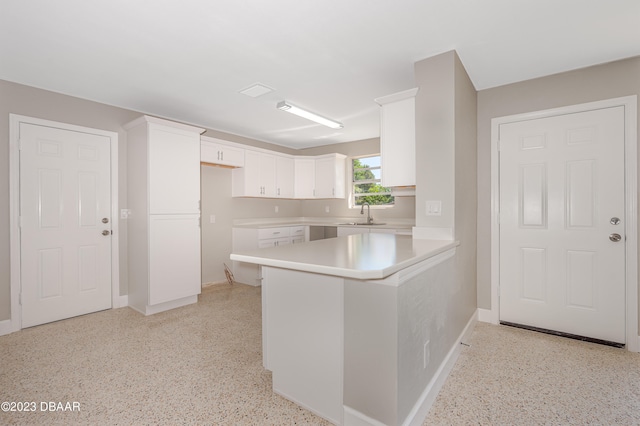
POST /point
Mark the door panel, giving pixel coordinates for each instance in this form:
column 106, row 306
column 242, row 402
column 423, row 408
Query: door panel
column 561, row 181
column 65, row 193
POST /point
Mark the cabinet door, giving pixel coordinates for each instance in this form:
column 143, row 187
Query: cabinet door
column 209, row 153
column 268, row 175
column 224, row 155
column 305, row 177
column 174, row 257
column 284, row 177
column 397, row 143
column 274, row 242
column 330, row 176
column 174, row 171
column 252, row 184
column 231, row 156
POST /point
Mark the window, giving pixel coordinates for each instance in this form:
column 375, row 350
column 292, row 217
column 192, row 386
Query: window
column 366, row 183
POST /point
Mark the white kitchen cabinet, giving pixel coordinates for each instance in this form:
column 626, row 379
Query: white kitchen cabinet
column 164, row 225
column 305, row 177
column 351, row 230
column 174, row 260
column 285, row 176
column 330, row 176
column 258, row 238
column 273, row 175
column 218, row 152
column 362, row 229
column 258, row 176
column 398, row 138
column 173, row 158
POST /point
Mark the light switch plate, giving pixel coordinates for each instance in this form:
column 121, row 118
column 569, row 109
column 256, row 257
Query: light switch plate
column 212, row 218
column 434, row 208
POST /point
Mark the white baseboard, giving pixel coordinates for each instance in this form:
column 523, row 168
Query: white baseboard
column 419, row 412
column 123, row 301
column 485, row 315
column 6, row 327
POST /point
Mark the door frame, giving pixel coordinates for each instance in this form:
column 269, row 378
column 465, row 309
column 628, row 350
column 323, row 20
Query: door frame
column 631, row 205
column 14, row 213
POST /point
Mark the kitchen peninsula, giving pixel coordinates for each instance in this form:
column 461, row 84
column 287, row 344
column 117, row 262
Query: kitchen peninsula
column 350, row 323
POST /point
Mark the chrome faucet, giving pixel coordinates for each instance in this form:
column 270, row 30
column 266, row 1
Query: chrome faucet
column 369, row 218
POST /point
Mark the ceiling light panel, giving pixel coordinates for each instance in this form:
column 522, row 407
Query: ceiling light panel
column 300, row 112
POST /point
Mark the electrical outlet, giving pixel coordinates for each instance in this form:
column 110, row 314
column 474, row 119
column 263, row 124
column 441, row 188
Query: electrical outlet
column 212, row 218
column 426, row 354
column 327, row 209
column 277, row 209
column 125, row 213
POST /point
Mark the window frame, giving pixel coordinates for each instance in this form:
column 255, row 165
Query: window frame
column 352, row 191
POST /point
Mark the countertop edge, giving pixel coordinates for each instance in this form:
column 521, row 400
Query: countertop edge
column 372, row 274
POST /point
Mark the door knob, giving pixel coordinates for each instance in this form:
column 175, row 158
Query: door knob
column 107, row 232
column 614, row 221
column 615, row 237
column 105, row 220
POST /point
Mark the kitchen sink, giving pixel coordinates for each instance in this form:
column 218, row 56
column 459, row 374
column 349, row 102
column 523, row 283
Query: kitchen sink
column 362, row 223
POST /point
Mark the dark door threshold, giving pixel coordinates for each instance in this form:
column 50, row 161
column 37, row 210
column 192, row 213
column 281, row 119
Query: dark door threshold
column 561, row 334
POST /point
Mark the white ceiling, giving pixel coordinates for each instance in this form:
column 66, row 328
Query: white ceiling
column 187, row 59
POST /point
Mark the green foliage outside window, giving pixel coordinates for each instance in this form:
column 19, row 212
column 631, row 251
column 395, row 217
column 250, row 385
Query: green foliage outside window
column 366, row 180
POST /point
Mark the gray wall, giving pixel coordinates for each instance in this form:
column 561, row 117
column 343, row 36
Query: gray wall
column 216, row 200
column 32, row 102
column 38, row 103
column 612, row 80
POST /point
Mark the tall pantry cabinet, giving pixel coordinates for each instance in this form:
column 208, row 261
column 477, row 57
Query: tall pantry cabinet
column 164, row 222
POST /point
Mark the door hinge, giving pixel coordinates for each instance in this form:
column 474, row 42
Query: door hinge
column 20, row 298
column 498, row 218
column 20, row 221
column 19, row 144
column 498, row 145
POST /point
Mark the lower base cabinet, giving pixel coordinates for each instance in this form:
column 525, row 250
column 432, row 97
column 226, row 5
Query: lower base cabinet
column 258, row 238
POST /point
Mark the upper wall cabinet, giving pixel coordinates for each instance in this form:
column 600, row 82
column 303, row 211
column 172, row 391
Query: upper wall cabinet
column 305, row 177
column 330, row 176
column 220, row 153
column 267, row 174
column 169, row 154
column 285, row 176
column 398, row 138
column 257, row 178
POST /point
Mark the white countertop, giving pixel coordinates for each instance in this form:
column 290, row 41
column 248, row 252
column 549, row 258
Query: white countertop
column 327, row 221
column 361, row 256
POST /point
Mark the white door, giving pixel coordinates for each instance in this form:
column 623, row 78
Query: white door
column 65, row 200
column 561, row 190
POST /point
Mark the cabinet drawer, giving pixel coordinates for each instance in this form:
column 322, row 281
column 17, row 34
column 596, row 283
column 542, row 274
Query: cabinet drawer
column 297, row 231
column 273, row 232
column 297, row 240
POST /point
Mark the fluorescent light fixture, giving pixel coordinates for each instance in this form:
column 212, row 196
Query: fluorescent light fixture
column 285, row 106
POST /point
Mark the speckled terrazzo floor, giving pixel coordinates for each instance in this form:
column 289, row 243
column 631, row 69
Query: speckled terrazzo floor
column 200, row 364
column 510, row 376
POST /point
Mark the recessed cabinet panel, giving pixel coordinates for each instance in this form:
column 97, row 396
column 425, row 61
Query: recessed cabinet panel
column 305, row 177
column 174, row 171
column 174, row 257
column 398, row 138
